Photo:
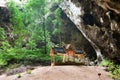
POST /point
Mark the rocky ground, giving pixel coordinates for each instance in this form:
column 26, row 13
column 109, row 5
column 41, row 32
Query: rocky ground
column 61, row 73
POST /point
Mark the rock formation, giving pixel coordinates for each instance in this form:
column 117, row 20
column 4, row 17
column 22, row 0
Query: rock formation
column 98, row 21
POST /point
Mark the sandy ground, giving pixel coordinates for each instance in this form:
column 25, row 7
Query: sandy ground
column 62, row 73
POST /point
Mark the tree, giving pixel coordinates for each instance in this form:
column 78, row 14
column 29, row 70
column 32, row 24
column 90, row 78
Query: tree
column 27, row 23
column 36, row 22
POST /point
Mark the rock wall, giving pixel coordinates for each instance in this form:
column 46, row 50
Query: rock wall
column 69, row 33
column 5, row 23
column 98, row 21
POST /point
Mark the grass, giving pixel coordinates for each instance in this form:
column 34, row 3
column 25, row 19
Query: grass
column 114, row 69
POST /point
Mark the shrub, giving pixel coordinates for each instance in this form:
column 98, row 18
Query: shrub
column 112, row 68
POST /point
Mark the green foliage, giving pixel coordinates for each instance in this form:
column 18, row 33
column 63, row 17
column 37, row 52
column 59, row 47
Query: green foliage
column 2, row 34
column 16, row 19
column 36, row 4
column 29, row 71
column 57, row 22
column 5, row 45
column 31, row 44
column 112, row 68
column 57, row 12
column 56, row 31
column 18, row 26
column 3, row 62
column 58, row 59
column 58, row 1
column 105, row 63
column 29, row 30
column 21, row 55
column 19, row 75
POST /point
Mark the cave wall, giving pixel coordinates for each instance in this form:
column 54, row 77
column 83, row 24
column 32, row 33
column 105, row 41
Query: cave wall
column 69, row 34
column 99, row 21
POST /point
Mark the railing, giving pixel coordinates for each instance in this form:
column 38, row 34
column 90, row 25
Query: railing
column 66, row 54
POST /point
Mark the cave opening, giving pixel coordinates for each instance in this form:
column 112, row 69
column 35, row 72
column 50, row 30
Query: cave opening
column 70, row 33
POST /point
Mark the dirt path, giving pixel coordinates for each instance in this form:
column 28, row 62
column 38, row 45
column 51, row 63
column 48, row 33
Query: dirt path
column 62, row 73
